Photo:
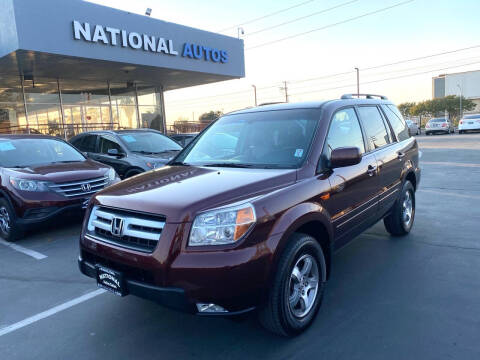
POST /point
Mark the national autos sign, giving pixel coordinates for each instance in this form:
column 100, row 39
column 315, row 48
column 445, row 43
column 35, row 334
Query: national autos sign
column 118, row 37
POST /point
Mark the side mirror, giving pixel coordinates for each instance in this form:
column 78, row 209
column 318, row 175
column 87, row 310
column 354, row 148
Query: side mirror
column 345, row 156
column 114, row 152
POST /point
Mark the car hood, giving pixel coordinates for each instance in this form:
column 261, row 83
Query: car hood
column 179, row 192
column 61, row 172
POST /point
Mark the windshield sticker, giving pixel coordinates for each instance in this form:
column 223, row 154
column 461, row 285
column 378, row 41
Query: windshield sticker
column 299, row 153
column 128, row 138
column 6, row 146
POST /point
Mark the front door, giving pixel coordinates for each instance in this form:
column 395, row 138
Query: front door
column 353, row 203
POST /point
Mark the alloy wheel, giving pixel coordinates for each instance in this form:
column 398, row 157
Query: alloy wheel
column 4, row 220
column 407, row 209
column 303, row 287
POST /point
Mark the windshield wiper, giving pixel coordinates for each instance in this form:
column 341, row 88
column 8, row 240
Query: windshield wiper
column 231, row 165
column 180, row 163
column 144, row 152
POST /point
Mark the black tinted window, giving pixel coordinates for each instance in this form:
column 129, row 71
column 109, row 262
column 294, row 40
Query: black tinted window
column 374, row 126
column 396, row 120
column 107, row 144
column 344, row 132
column 85, row 143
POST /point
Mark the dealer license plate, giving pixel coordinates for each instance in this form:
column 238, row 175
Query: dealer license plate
column 110, row 280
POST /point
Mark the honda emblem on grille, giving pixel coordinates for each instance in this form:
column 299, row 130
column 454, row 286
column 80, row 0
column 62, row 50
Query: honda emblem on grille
column 86, row 187
column 117, row 226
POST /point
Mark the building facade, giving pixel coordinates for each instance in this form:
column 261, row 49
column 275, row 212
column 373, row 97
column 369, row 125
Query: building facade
column 466, row 84
column 71, row 66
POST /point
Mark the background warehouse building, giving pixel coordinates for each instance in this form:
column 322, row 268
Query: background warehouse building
column 73, row 66
column 466, row 84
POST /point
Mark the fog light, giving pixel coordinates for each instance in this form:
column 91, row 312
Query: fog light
column 210, row 308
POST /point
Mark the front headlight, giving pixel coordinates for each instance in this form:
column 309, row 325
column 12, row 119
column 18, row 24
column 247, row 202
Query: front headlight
column 28, row 185
column 222, row 226
column 112, row 175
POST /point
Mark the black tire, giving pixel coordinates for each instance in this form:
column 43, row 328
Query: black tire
column 9, row 228
column 395, row 222
column 132, row 172
column 277, row 315
column 460, row 131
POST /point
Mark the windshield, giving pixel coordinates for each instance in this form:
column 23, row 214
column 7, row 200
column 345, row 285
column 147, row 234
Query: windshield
column 477, row 116
column 438, row 120
column 149, row 142
column 271, row 139
column 34, row 151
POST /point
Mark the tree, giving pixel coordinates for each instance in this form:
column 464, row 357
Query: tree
column 210, row 116
column 451, row 104
column 406, row 108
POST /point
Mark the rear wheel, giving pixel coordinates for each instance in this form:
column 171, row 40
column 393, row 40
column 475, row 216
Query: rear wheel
column 400, row 220
column 9, row 228
column 297, row 289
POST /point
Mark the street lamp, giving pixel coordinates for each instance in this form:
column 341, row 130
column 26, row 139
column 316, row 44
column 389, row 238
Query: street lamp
column 255, row 93
column 358, row 82
column 240, row 31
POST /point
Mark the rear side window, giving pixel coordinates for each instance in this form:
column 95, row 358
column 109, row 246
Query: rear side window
column 88, row 143
column 396, row 120
column 374, row 126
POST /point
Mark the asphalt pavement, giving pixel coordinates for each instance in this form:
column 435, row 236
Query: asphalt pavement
column 416, row 297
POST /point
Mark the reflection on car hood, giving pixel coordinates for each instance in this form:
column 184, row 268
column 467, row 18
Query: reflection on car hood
column 179, row 192
column 60, row 172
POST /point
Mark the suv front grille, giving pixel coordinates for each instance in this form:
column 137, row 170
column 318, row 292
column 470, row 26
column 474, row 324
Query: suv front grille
column 125, row 228
column 80, row 188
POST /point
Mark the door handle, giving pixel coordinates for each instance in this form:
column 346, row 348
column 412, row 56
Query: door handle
column 372, row 169
column 400, row 155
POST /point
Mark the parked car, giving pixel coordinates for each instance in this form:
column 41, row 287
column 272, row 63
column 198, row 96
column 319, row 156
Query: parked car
column 183, row 139
column 439, row 125
column 43, row 177
column 224, row 232
column 413, row 128
column 129, row 152
column 469, row 123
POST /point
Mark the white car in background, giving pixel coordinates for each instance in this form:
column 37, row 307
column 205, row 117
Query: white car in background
column 439, row 126
column 469, row 123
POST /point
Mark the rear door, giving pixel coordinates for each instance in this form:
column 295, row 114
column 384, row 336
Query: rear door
column 381, row 143
column 86, row 143
column 352, row 203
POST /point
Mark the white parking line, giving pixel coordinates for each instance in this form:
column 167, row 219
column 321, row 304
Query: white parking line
column 50, row 312
column 32, row 253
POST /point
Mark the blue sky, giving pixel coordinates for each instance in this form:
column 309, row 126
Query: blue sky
column 414, row 29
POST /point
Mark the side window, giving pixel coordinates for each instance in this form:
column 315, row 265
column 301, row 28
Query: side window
column 107, row 144
column 374, row 126
column 344, row 131
column 88, row 143
column 396, row 120
column 78, row 143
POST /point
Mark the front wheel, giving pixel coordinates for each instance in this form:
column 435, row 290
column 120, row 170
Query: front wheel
column 297, row 290
column 400, row 221
column 9, row 228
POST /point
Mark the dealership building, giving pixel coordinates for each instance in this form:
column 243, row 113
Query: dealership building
column 72, row 66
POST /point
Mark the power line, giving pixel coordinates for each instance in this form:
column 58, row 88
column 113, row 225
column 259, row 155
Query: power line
column 386, row 79
column 268, row 15
column 332, row 25
column 302, row 17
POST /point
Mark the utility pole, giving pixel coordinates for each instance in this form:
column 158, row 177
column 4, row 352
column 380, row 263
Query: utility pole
column 461, row 112
column 285, row 87
column 255, row 93
column 358, row 82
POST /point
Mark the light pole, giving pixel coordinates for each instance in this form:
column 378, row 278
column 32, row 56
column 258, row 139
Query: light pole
column 358, row 82
column 240, row 31
column 255, row 93
column 461, row 112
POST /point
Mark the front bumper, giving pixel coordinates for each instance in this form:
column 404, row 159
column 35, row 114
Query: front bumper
column 37, row 215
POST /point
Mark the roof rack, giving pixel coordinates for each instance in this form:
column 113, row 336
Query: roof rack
column 367, row 96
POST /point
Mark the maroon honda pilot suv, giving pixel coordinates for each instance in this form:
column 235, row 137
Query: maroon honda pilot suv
column 248, row 215
column 43, row 177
